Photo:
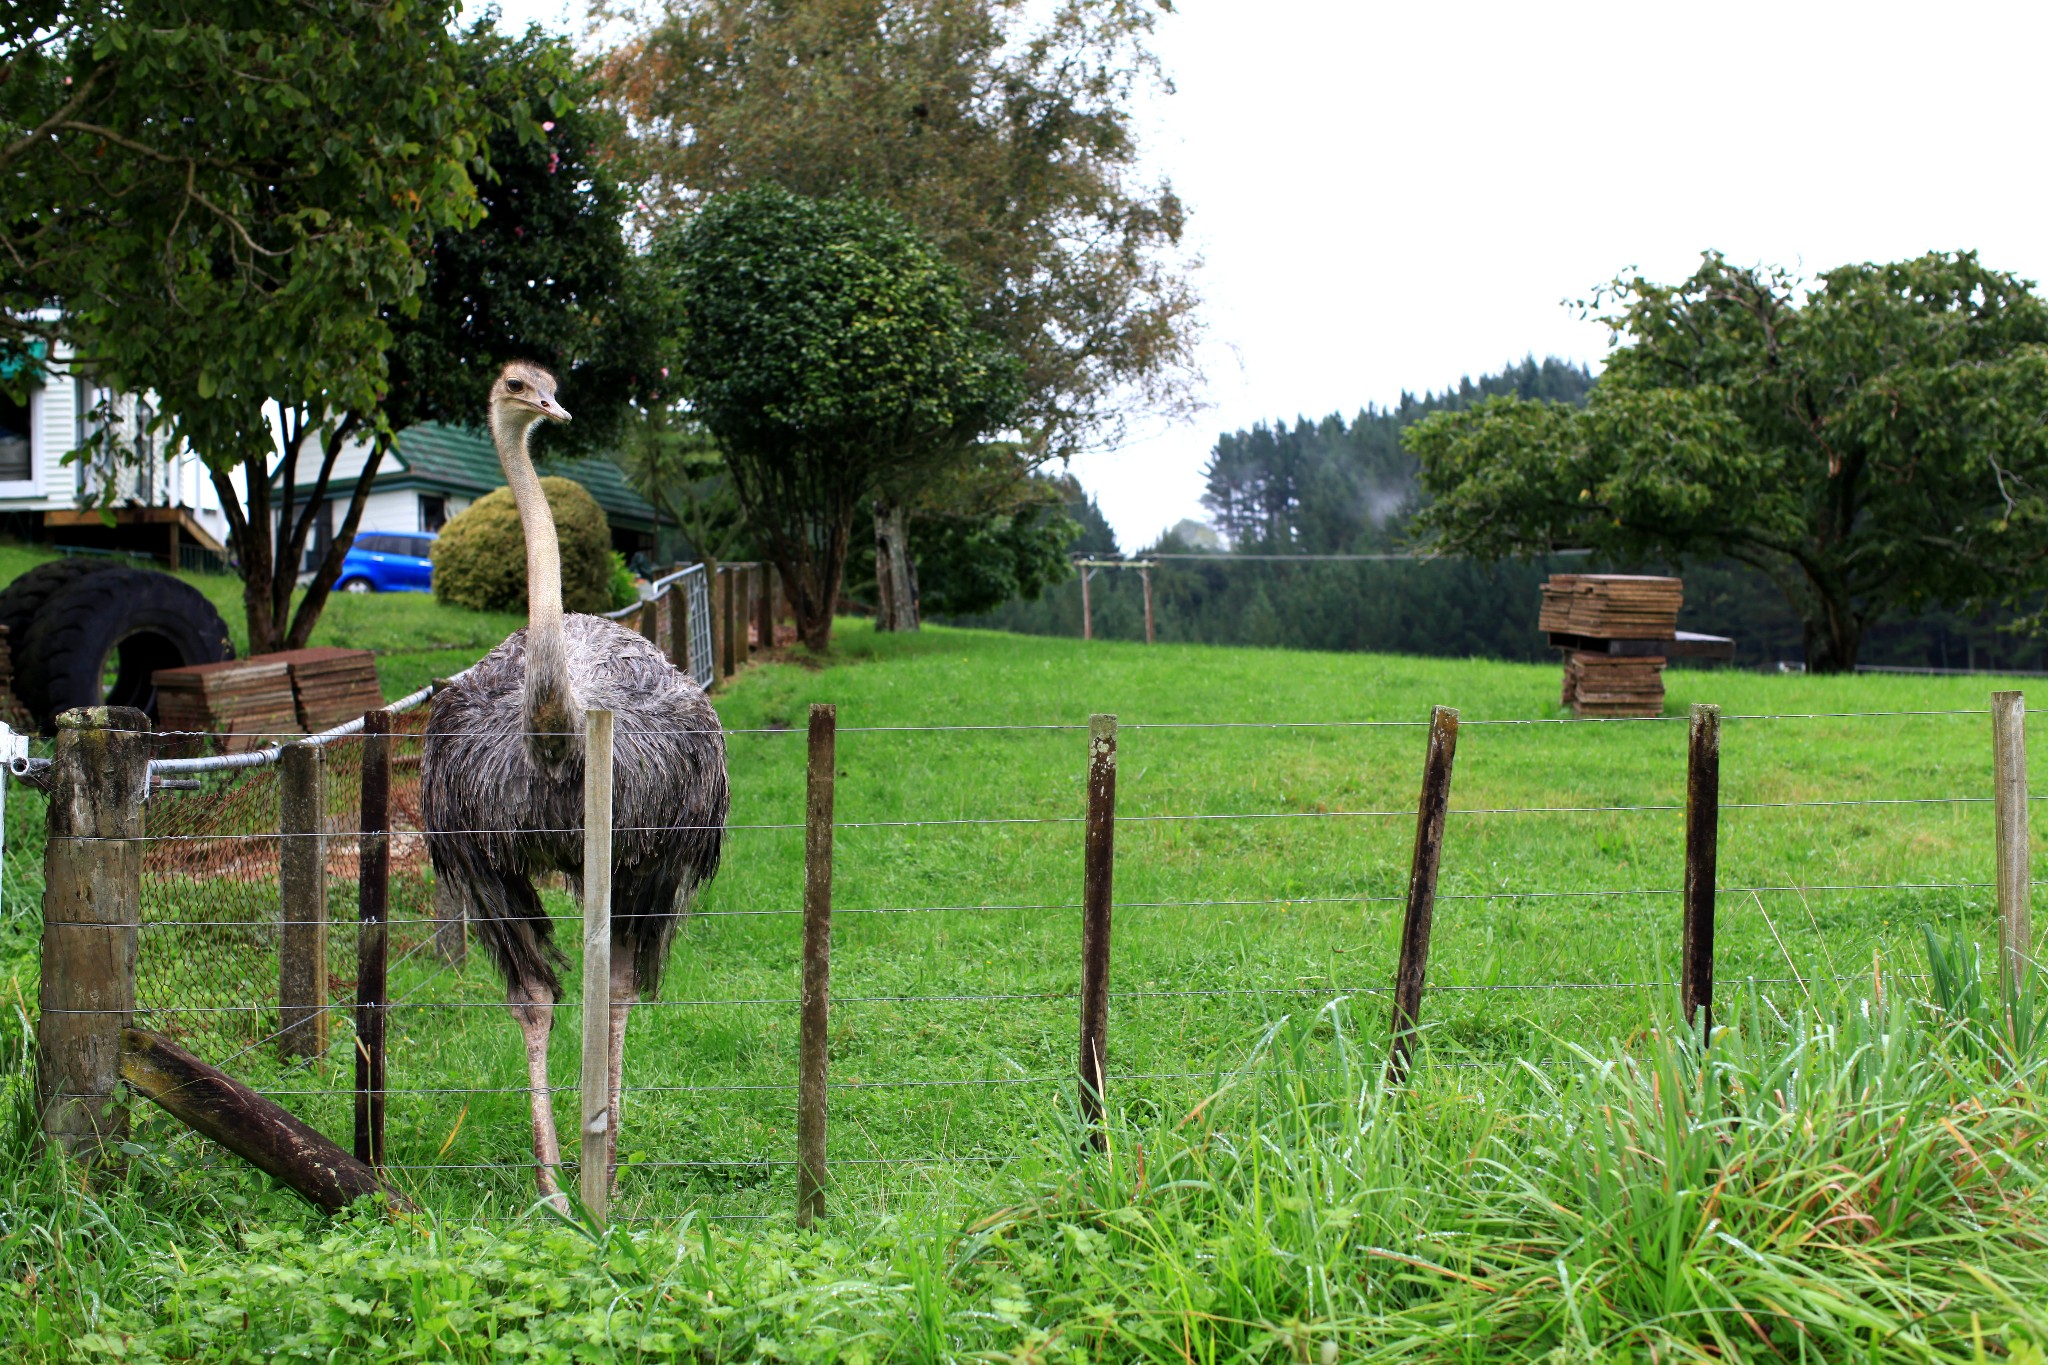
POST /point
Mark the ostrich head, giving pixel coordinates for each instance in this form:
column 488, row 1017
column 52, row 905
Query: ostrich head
column 524, row 394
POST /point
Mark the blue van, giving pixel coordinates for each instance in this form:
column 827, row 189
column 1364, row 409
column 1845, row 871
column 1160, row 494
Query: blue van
column 388, row 561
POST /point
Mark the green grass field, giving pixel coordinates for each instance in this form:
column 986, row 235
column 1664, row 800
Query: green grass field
column 1851, row 1172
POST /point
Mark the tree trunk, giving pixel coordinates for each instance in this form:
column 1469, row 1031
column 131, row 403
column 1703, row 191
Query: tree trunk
column 896, row 590
column 1832, row 641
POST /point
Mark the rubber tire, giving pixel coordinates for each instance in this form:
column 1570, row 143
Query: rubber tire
column 152, row 619
column 21, row 600
column 350, row 585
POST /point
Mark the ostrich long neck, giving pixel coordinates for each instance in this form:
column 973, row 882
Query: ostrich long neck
column 552, row 715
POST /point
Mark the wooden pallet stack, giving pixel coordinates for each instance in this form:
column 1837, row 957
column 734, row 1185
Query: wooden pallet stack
column 332, row 685
column 244, row 702
column 1607, row 623
column 248, row 703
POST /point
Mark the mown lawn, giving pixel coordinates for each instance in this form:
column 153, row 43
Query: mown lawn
column 1847, row 1173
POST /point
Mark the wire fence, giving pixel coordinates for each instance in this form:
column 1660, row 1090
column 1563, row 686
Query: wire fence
column 953, row 1039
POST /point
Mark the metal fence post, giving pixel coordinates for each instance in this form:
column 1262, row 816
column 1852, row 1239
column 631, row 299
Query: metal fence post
column 1430, row 810
column 1098, row 865
column 595, row 1176
column 373, row 886
column 2014, row 857
column 92, row 908
column 812, row 1058
column 1702, row 846
column 302, row 878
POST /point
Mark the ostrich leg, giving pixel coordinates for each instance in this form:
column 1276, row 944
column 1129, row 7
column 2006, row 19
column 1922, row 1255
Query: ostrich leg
column 625, row 995
column 534, row 1008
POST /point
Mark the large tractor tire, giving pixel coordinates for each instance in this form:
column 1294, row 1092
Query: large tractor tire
column 24, row 597
column 98, row 640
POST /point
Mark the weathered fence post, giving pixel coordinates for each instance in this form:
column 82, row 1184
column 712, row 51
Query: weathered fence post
column 595, row 1175
column 92, row 907
column 1422, row 868
column 373, row 888
column 714, row 608
column 728, row 609
column 1087, row 616
column 817, row 979
column 302, row 879
column 1098, row 860
column 1145, row 577
column 1702, row 846
column 650, row 619
column 2015, row 859
column 764, row 606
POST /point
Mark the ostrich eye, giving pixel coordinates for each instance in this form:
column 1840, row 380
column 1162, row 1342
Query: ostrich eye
column 515, row 385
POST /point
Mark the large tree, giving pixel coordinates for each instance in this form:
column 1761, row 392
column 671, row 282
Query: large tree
column 1874, row 442
column 828, row 350
column 1002, row 131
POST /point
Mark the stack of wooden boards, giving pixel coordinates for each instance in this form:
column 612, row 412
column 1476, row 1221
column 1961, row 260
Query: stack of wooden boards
column 248, row 702
column 1609, row 607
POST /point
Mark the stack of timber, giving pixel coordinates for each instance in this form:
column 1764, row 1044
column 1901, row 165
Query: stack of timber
column 1612, row 606
column 242, row 701
column 1614, row 684
column 332, row 685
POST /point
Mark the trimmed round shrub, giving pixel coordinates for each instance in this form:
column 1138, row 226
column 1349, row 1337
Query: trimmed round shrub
column 480, row 559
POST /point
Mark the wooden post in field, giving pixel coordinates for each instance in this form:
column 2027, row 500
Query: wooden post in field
column 92, row 903
column 1430, row 810
column 764, row 606
column 1098, row 864
column 714, row 606
column 1145, row 577
column 596, row 1175
column 302, row 878
column 1087, row 616
column 373, row 886
column 2015, row 859
column 729, row 608
column 1702, row 845
column 817, row 980
column 650, row 620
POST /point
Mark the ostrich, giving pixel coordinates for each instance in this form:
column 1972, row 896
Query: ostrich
column 502, row 782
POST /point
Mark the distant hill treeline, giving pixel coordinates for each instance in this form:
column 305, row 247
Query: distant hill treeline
column 1347, row 487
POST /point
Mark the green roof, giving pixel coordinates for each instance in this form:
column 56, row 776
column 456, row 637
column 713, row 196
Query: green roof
column 463, row 460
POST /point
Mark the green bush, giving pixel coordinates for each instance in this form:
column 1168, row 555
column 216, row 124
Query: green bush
column 480, row 559
column 624, row 588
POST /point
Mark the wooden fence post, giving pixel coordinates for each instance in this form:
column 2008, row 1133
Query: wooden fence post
column 373, row 886
column 302, row 878
column 1702, row 847
column 1087, row 616
column 92, row 905
column 650, row 620
column 595, row 1174
column 728, row 609
column 764, row 606
column 1098, row 859
column 817, row 981
column 1145, row 577
column 1422, row 868
column 2015, row 859
column 679, row 625
column 714, row 607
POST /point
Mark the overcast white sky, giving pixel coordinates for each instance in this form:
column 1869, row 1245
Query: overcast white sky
column 1390, row 196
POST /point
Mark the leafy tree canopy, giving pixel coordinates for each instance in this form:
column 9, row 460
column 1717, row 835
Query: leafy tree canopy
column 221, row 201
column 827, row 349
column 1874, row 443
column 1001, row 131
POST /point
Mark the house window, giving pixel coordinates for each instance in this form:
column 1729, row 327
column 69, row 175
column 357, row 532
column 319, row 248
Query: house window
column 433, row 512
column 17, row 462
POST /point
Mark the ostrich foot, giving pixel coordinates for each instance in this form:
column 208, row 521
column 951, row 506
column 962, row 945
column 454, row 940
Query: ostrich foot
column 534, row 1008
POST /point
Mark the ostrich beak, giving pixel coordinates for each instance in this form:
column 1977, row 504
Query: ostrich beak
column 552, row 410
